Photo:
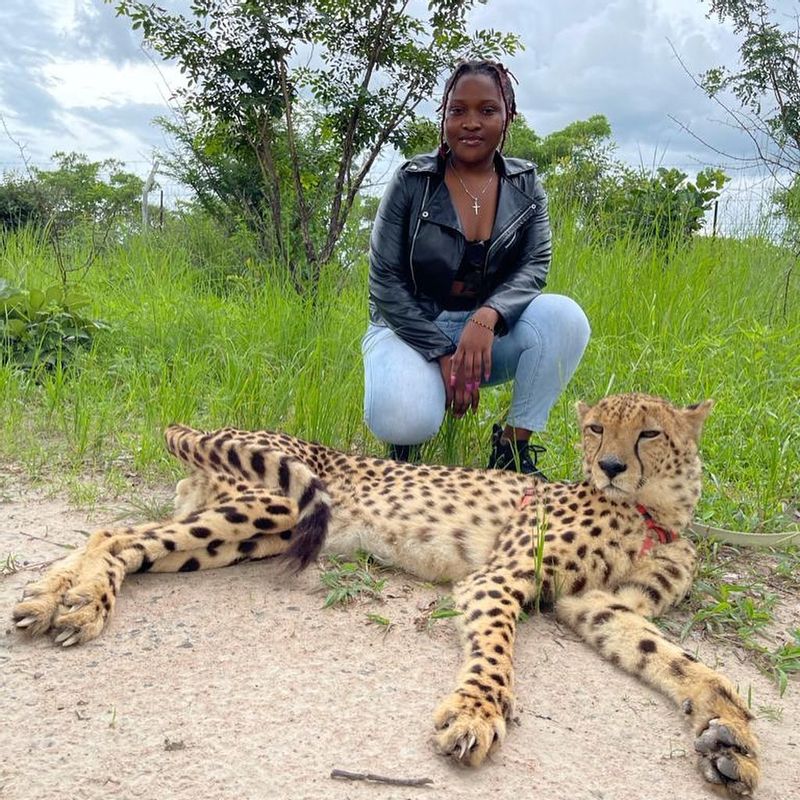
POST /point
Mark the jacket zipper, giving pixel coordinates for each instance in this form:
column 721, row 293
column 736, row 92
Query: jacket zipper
column 512, row 228
column 416, row 231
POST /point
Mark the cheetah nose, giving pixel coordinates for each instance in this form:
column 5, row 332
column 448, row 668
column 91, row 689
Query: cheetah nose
column 612, row 466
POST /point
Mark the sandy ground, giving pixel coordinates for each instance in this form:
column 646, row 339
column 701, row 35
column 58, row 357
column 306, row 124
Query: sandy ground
column 235, row 684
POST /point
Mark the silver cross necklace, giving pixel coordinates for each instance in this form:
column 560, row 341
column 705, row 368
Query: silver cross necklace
column 476, row 203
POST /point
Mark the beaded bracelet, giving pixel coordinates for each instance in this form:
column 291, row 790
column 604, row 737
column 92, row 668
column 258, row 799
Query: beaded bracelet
column 482, row 324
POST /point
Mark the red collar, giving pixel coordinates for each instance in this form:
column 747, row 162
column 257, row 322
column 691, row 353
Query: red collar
column 526, row 498
column 655, row 533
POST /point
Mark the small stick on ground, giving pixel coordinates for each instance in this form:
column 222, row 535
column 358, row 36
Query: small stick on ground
column 368, row 776
column 49, row 541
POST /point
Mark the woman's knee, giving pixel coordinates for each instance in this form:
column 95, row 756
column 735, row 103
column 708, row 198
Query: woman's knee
column 560, row 318
column 399, row 418
column 403, row 393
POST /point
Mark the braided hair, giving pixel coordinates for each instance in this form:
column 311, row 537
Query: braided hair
column 499, row 74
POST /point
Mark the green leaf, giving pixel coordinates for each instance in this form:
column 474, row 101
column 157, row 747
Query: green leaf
column 54, row 295
column 15, row 328
column 36, row 299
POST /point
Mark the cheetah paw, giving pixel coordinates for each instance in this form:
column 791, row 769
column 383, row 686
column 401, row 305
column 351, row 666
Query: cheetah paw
column 34, row 614
column 80, row 618
column 70, row 617
column 467, row 728
column 728, row 759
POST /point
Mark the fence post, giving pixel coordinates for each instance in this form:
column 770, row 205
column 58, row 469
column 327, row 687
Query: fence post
column 146, row 189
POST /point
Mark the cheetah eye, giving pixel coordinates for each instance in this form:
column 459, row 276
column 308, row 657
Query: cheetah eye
column 649, row 434
column 595, row 428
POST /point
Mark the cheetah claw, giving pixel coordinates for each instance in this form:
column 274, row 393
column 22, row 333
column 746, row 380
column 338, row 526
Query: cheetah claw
column 68, row 637
column 26, row 621
column 467, row 731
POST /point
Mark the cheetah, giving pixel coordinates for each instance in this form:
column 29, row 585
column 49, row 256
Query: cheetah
column 606, row 553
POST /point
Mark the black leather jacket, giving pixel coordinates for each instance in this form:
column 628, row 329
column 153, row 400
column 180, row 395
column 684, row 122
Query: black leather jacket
column 417, row 245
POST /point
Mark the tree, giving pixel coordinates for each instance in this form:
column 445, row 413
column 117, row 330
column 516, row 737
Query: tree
column 77, row 192
column 766, row 82
column 90, row 192
column 308, row 93
column 78, row 201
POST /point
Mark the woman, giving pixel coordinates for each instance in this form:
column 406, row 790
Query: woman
column 459, row 254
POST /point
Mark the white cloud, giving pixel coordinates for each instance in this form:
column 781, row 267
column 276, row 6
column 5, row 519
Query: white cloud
column 100, row 83
column 73, row 75
column 616, row 58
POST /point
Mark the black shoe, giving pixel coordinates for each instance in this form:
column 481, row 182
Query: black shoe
column 515, row 456
column 409, row 453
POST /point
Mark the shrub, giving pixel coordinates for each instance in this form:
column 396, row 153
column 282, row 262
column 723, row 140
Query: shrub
column 43, row 327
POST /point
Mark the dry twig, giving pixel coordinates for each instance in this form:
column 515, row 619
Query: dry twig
column 368, row 776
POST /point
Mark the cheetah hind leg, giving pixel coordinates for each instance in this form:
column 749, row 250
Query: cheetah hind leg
column 76, row 598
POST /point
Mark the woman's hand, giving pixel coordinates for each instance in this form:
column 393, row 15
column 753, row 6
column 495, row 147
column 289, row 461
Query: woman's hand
column 457, row 398
column 472, row 361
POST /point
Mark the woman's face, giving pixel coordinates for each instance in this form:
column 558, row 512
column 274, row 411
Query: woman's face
column 474, row 118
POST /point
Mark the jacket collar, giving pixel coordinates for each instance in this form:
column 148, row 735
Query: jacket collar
column 434, row 163
column 439, row 209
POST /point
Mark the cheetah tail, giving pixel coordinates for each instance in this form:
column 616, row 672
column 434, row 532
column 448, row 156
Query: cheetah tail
column 312, row 525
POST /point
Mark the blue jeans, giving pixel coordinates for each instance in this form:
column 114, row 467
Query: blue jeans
column 404, row 396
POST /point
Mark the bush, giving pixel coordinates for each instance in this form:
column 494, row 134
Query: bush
column 664, row 207
column 18, row 205
column 43, row 327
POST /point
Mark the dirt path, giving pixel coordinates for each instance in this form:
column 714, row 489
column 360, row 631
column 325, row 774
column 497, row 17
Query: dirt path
column 235, row 684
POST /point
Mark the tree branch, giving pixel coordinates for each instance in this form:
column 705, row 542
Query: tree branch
column 308, row 242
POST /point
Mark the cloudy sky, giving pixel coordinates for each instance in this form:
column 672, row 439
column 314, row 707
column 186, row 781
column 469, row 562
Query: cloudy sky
column 74, row 77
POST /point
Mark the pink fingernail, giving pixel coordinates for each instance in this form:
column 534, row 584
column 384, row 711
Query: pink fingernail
column 452, row 380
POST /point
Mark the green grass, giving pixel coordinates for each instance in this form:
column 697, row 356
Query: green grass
column 347, row 581
column 733, row 599
column 201, row 336
column 443, row 607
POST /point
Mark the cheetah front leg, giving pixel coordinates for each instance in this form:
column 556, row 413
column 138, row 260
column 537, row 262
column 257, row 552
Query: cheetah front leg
column 472, row 720
column 76, row 598
column 615, row 624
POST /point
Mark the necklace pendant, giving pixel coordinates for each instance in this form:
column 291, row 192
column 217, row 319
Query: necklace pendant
column 476, row 206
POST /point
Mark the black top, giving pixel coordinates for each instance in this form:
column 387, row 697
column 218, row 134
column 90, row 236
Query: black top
column 466, row 286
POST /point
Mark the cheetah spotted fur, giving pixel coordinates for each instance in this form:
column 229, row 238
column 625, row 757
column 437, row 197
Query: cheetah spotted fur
column 507, row 540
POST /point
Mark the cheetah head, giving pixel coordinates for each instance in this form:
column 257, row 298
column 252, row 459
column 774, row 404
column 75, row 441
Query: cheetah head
column 641, row 449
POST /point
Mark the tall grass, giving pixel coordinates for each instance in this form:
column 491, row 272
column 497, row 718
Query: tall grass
column 211, row 339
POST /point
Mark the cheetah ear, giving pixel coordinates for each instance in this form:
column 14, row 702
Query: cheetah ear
column 695, row 415
column 582, row 409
